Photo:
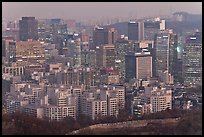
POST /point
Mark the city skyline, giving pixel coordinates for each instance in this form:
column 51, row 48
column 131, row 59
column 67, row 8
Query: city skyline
column 65, row 9
column 111, row 68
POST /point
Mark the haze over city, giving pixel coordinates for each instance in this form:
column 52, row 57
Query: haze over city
column 102, row 10
column 96, row 68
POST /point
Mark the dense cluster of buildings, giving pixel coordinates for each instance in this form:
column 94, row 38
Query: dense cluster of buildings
column 57, row 68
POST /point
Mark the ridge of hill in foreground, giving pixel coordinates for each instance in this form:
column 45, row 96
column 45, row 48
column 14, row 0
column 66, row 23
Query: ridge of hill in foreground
column 190, row 124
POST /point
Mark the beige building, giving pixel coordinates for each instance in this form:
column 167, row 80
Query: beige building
column 94, row 105
column 161, row 99
column 104, row 101
column 58, row 113
column 30, row 52
column 143, row 65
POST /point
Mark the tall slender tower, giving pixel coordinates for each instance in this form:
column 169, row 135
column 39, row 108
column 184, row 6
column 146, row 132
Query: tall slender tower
column 28, row 28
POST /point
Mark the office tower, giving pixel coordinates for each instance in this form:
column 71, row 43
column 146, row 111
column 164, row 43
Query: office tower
column 74, row 52
column 77, row 53
column 192, row 59
column 166, row 53
column 173, row 56
column 102, row 36
column 149, row 45
column 124, row 47
column 138, row 65
column 9, row 50
column 152, row 27
column 161, row 99
column 141, row 30
column 30, row 52
column 143, row 65
column 109, row 56
column 28, row 28
column 105, row 56
column 136, row 30
column 113, row 35
column 130, row 67
column 120, row 51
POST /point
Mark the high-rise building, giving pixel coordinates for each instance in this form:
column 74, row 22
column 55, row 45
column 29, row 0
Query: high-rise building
column 102, row 36
column 166, row 43
column 105, row 56
column 109, row 56
column 143, row 65
column 192, row 59
column 77, row 53
column 138, row 65
column 152, row 27
column 9, row 50
column 136, row 30
column 28, row 28
column 113, row 35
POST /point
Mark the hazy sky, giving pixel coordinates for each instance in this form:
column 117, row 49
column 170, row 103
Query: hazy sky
column 94, row 10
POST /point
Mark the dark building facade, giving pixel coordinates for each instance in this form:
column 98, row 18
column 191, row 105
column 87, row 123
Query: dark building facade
column 28, row 28
column 192, row 59
column 100, row 37
column 9, row 50
column 103, row 36
column 138, row 66
column 135, row 31
column 166, row 43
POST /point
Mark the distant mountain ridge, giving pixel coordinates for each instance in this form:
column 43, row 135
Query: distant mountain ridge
column 192, row 21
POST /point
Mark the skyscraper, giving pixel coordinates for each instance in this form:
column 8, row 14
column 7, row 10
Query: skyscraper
column 150, row 29
column 100, row 37
column 138, row 65
column 9, row 50
column 28, row 28
column 77, row 53
column 109, row 56
column 166, row 52
column 192, row 59
column 143, row 65
column 135, row 30
column 113, row 35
